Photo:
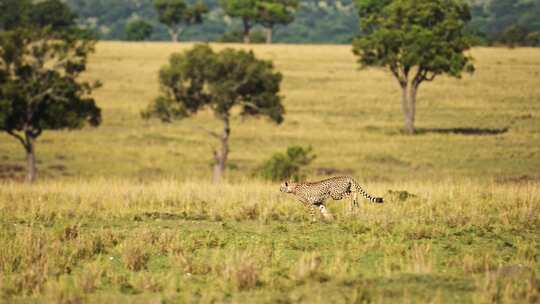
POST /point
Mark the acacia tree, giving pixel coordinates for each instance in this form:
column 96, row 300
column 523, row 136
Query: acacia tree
column 200, row 78
column 417, row 40
column 273, row 12
column 39, row 85
column 247, row 10
column 174, row 13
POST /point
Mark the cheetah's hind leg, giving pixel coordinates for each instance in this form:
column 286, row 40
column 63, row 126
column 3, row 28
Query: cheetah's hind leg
column 311, row 208
column 353, row 195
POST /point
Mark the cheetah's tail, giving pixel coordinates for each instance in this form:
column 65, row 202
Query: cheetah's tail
column 374, row 199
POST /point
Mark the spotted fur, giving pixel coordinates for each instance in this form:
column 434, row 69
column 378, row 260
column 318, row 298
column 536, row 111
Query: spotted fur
column 313, row 195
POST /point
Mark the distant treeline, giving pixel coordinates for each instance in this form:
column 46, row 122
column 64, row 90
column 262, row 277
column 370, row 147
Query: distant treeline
column 510, row 22
column 315, row 22
column 513, row 22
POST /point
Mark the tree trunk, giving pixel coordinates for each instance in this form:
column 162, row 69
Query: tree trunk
column 30, row 158
column 173, row 31
column 269, row 35
column 247, row 30
column 220, row 157
column 412, row 107
column 408, row 105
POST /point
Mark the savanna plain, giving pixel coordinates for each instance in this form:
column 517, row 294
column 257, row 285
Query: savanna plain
column 126, row 212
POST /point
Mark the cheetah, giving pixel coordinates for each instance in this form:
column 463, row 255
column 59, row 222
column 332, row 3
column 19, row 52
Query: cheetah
column 313, row 194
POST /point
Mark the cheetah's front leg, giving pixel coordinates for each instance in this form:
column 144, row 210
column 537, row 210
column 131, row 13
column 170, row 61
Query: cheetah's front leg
column 311, row 207
column 353, row 205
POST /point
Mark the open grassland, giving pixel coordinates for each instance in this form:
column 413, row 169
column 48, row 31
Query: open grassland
column 125, row 213
column 483, row 126
column 113, row 241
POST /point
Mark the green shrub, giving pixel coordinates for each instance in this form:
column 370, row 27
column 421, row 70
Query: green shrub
column 287, row 165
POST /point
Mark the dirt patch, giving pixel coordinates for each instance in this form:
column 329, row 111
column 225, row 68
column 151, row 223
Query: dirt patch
column 386, row 159
column 58, row 167
column 11, row 172
column 522, row 179
column 465, row 131
column 157, row 215
column 11, row 168
column 400, row 195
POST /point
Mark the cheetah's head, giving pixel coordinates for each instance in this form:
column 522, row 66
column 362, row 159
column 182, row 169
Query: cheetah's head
column 287, row 187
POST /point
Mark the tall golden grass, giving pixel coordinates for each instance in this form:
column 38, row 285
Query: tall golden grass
column 83, row 240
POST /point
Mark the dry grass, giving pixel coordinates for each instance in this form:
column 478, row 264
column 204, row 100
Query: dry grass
column 75, row 241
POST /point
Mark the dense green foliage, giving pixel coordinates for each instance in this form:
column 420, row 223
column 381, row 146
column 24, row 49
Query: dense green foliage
column 288, row 165
column 200, row 78
column 138, row 30
column 52, row 13
column 38, row 82
column 13, row 13
column 41, row 59
column 314, row 22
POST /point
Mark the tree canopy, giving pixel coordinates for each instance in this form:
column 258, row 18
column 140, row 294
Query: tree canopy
column 201, row 78
column 266, row 13
column 138, row 30
column 416, row 40
column 13, row 13
column 175, row 13
column 52, row 13
column 246, row 10
column 273, row 12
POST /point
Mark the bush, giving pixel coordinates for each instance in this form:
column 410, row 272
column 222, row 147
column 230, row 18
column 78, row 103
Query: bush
column 287, row 165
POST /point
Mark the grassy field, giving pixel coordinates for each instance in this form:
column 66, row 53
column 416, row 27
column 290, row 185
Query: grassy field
column 113, row 241
column 487, row 125
column 125, row 212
